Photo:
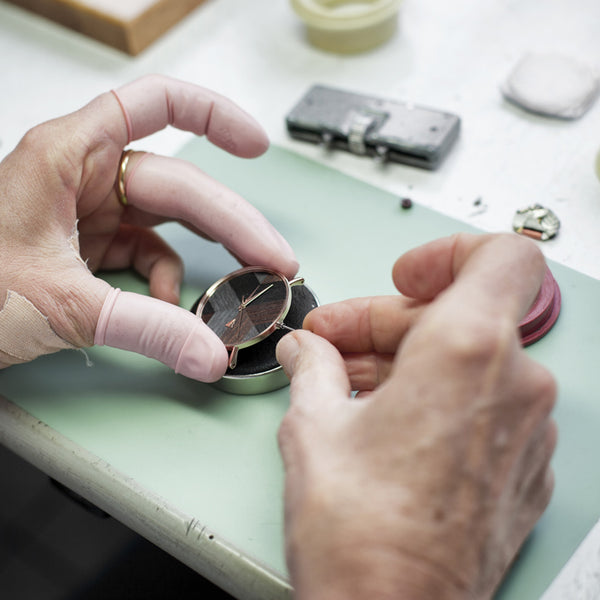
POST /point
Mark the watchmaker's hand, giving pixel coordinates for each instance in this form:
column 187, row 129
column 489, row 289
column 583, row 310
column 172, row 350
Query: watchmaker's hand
column 78, row 204
column 481, row 430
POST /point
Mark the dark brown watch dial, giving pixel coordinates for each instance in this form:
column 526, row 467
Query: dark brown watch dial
column 245, row 306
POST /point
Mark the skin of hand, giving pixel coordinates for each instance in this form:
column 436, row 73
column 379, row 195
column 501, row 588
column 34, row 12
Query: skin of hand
column 425, row 484
column 61, row 219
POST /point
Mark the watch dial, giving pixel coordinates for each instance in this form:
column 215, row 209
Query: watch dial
column 244, row 307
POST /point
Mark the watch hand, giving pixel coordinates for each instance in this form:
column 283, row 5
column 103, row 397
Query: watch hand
column 255, row 296
column 233, row 358
column 250, row 296
column 234, row 351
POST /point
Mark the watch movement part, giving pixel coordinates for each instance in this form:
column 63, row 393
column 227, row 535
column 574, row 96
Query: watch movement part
column 537, row 222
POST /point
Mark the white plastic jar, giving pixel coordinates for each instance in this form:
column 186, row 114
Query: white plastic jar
column 348, row 26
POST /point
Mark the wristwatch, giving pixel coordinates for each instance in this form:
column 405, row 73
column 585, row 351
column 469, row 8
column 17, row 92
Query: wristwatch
column 249, row 310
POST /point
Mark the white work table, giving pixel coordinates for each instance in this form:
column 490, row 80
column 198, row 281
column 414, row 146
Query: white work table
column 447, row 55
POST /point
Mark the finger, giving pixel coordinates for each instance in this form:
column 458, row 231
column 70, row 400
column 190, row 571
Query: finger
column 145, row 251
column 367, row 371
column 162, row 331
column 498, row 274
column 179, row 190
column 375, row 324
column 152, row 102
column 316, row 370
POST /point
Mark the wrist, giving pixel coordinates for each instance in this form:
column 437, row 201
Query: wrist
column 334, row 555
column 388, row 579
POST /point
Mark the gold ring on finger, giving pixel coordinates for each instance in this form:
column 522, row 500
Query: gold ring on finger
column 121, row 177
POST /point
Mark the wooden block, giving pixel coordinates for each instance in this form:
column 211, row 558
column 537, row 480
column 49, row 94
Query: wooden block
column 128, row 25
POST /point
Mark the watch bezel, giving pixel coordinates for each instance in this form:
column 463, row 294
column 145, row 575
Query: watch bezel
column 210, row 292
column 268, row 378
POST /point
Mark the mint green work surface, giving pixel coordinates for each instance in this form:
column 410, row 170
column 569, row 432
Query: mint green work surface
column 214, row 456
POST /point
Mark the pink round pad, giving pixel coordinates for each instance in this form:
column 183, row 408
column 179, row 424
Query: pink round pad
column 543, row 313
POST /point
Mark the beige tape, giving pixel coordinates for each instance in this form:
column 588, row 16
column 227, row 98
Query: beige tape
column 73, row 242
column 25, row 332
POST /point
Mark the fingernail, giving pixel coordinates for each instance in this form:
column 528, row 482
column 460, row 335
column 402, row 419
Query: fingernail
column 177, row 291
column 289, row 253
column 286, row 353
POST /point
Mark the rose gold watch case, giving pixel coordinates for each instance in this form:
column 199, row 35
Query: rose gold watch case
column 266, row 375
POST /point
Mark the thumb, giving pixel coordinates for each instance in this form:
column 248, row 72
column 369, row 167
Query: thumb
column 159, row 330
column 316, row 369
column 501, row 272
column 319, row 386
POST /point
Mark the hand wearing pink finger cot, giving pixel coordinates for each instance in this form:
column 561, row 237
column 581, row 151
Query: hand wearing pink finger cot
column 71, row 204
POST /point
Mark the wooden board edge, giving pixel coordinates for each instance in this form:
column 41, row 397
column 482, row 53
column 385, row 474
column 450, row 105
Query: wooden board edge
column 131, row 37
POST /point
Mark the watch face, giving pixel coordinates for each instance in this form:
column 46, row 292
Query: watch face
column 245, row 307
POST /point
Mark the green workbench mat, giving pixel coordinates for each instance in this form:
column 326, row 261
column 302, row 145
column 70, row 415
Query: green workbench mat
column 214, row 456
